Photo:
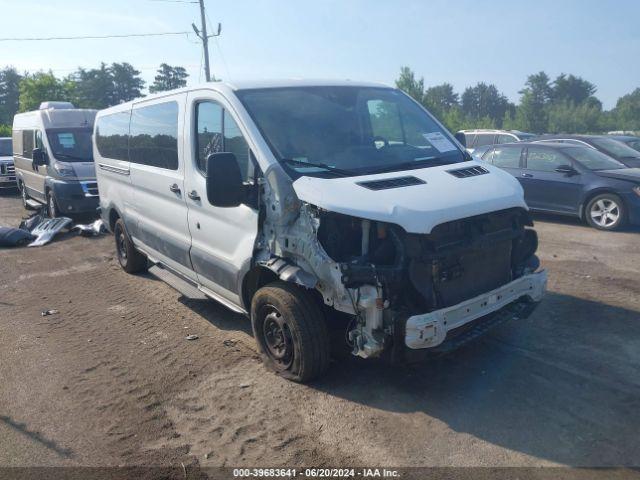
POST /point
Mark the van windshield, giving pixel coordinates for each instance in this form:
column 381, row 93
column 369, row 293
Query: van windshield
column 71, row 144
column 329, row 131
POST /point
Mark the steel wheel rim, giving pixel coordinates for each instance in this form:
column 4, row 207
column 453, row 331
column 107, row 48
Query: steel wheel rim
column 277, row 337
column 121, row 244
column 52, row 207
column 605, row 213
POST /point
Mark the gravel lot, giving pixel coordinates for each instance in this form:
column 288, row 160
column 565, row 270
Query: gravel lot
column 111, row 380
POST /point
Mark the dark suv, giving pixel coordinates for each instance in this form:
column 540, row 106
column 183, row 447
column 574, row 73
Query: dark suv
column 603, row 143
column 572, row 180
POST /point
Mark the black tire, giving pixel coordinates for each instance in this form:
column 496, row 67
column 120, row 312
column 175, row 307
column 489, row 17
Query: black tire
column 25, row 196
column 52, row 205
column 131, row 260
column 290, row 330
column 606, row 212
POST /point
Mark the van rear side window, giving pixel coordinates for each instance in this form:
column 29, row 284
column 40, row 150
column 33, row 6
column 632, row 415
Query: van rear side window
column 27, row 143
column 154, row 135
column 112, row 136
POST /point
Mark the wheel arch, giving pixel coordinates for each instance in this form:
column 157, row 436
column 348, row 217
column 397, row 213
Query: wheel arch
column 594, row 193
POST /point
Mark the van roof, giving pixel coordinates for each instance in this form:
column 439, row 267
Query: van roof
column 54, row 118
column 227, row 87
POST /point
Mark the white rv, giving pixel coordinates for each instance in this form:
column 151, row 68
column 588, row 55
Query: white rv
column 314, row 207
column 53, row 158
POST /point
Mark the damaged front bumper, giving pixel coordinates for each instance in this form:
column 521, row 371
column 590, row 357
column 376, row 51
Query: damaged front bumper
column 430, row 329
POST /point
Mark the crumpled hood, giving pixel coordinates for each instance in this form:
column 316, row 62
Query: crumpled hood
column 416, row 208
column 631, row 174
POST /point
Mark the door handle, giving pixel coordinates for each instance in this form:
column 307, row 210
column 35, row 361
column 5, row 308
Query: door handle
column 527, row 175
column 193, row 195
column 174, row 188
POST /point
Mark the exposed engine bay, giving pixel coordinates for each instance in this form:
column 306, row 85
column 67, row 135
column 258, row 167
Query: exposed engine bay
column 381, row 275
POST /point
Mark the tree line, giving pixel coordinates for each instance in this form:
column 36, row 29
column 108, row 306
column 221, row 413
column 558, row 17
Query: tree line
column 97, row 88
column 566, row 104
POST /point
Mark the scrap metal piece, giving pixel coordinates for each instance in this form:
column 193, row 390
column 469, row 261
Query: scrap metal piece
column 48, row 229
column 91, row 229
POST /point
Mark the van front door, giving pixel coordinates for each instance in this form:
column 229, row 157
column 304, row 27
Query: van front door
column 156, row 168
column 222, row 239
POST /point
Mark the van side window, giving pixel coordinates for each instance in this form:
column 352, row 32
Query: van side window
column 209, row 139
column 154, row 135
column 506, row 139
column 235, row 143
column 219, row 132
column 112, row 136
column 27, row 143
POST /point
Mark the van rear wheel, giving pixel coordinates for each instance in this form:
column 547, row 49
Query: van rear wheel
column 131, row 260
column 291, row 332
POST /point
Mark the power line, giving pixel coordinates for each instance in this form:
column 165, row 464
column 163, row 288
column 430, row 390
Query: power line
column 91, row 37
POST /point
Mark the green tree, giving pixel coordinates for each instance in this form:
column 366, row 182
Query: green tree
column 572, row 89
column 9, row 94
column 568, row 117
column 626, row 114
column 5, row 130
column 485, row 102
column 41, row 87
column 408, row 83
column 169, row 78
column 91, row 88
column 126, row 83
column 536, row 96
column 440, row 99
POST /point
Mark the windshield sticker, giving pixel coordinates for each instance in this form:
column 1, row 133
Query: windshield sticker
column 66, row 140
column 439, row 141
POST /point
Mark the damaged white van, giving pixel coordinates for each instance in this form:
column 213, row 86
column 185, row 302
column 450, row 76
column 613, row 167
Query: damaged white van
column 315, row 208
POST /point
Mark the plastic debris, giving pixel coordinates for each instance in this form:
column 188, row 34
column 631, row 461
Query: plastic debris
column 91, row 229
column 46, row 313
column 49, row 228
column 192, row 337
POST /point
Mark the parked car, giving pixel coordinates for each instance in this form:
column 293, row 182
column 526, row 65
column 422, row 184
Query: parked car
column 472, row 139
column 53, row 157
column 571, row 179
column 603, row 143
column 336, row 210
column 7, row 170
column 630, row 140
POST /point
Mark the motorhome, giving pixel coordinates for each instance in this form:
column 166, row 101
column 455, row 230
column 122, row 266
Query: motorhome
column 7, row 170
column 315, row 208
column 53, row 159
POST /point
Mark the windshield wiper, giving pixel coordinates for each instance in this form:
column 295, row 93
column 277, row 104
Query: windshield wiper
column 328, row 168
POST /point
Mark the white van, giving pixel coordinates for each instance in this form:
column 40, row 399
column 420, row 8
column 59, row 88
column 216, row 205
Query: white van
column 53, row 158
column 314, row 207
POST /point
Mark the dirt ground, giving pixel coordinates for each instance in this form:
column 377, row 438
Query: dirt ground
column 111, row 379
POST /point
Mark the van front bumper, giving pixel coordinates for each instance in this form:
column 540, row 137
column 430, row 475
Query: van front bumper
column 429, row 330
column 76, row 196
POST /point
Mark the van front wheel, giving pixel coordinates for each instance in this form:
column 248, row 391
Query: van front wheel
column 131, row 260
column 289, row 327
column 52, row 206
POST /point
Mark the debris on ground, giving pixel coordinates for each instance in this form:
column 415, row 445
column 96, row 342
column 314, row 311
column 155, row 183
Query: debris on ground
column 49, row 228
column 46, row 313
column 15, row 237
column 91, row 229
column 192, row 337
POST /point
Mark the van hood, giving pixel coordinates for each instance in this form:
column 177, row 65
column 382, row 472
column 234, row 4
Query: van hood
column 83, row 170
column 6, row 158
column 631, row 174
column 438, row 196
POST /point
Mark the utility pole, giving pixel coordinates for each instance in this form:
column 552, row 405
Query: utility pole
column 205, row 39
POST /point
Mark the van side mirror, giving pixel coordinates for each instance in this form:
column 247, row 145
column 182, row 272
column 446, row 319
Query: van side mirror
column 224, row 180
column 567, row 170
column 38, row 157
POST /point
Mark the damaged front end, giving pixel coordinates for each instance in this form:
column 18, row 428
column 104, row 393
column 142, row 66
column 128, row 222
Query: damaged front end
column 407, row 289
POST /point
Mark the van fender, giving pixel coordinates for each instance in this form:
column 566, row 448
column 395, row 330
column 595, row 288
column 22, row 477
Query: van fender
column 289, row 272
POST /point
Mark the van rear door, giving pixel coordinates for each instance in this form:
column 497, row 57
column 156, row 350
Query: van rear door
column 157, row 175
column 222, row 238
